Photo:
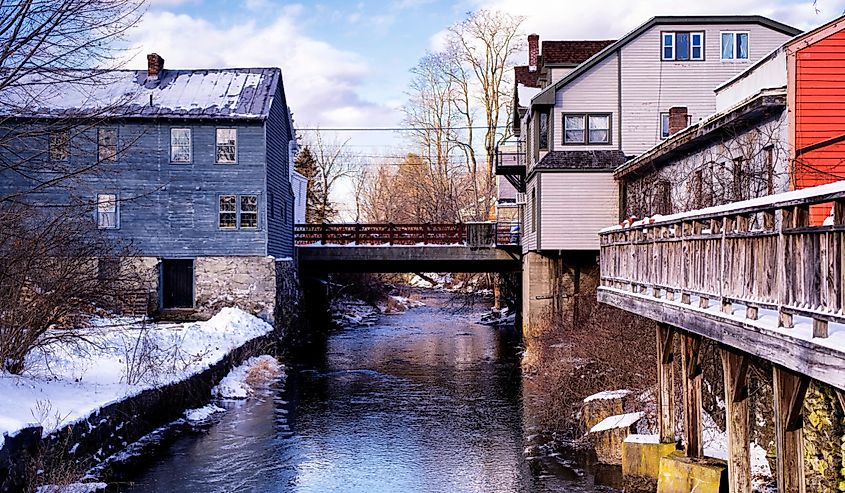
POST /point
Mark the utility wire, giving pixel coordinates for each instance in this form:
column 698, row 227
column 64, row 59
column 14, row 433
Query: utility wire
column 393, row 129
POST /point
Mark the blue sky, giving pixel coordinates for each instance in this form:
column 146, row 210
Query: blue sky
column 346, row 63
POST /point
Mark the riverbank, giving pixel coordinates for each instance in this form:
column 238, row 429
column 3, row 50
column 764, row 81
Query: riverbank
column 80, row 401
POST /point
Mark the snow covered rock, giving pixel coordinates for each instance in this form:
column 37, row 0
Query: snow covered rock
column 609, row 434
column 256, row 373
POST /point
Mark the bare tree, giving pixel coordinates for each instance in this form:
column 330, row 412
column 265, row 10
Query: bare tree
column 334, row 162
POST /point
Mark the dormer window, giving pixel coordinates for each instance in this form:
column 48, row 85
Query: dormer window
column 682, row 46
column 734, row 45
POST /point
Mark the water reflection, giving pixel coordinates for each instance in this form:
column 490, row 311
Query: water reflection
column 427, row 401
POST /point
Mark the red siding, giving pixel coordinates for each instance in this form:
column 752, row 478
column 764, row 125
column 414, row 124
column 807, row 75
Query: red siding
column 820, row 113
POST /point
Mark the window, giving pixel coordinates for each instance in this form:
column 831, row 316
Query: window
column 662, row 198
column 739, row 179
column 180, row 145
column 533, row 210
column 586, row 129
column 107, row 144
column 227, row 145
column 544, row 131
column 249, row 212
column 107, row 211
column 59, row 146
column 664, row 125
column 228, row 212
column 599, row 129
column 573, row 129
column 238, row 212
column 770, row 169
column 682, row 46
column 734, row 46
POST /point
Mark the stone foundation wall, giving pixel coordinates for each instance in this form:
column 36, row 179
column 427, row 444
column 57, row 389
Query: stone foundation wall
column 246, row 282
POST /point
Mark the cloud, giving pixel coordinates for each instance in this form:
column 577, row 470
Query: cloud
column 322, row 82
column 569, row 20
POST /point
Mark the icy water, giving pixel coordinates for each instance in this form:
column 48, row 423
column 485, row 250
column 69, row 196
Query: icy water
column 425, row 401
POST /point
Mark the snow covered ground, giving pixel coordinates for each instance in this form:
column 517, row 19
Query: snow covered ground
column 66, row 383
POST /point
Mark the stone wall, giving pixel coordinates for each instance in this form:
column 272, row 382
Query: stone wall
column 289, row 304
column 246, row 282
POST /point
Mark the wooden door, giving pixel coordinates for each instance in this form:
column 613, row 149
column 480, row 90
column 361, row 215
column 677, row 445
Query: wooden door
column 178, row 283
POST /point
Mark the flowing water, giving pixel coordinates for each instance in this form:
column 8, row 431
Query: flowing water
column 425, row 401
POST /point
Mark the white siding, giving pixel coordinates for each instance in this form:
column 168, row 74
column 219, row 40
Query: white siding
column 651, row 86
column 576, row 205
column 593, row 92
column 770, row 74
column 529, row 237
column 557, row 73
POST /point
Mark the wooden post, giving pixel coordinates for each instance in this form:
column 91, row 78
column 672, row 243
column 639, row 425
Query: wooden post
column 357, row 233
column 783, row 278
column 665, row 383
column 390, row 232
column 735, row 368
column 789, row 391
column 323, row 233
column 691, row 373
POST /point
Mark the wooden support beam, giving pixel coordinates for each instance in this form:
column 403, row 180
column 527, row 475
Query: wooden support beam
column 691, row 370
column 735, row 368
column 751, row 312
column 819, row 328
column 665, row 383
column 789, row 388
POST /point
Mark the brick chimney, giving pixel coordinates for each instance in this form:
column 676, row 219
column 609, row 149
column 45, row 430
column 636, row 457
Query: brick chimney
column 678, row 119
column 155, row 65
column 533, row 51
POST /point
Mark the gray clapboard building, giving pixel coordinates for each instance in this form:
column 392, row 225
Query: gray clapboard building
column 192, row 167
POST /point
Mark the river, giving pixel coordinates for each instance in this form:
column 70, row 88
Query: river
column 425, row 401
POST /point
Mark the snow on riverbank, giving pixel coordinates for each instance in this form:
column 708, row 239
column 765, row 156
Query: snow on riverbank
column 67, row 382
column 254, row 374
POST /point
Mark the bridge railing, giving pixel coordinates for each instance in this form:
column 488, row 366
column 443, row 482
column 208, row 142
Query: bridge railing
column 763, row 254
column 484, row 234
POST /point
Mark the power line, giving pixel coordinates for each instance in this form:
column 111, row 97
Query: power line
column 394, row 129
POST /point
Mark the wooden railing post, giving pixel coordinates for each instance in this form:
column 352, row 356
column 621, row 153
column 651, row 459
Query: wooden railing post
column 425, row 233
column 390, row 233
column 783, row 279
column 323, row 233
column 357, row 233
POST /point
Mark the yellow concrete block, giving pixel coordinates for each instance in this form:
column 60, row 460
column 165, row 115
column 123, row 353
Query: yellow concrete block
column 679, row 474
column 641, row 455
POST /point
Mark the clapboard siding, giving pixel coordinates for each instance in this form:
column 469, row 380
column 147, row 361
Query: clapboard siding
column 594, row 92
column 280, row 221
column 170, row 210
column 529, row 237
column 651, row 86
column 572, row 218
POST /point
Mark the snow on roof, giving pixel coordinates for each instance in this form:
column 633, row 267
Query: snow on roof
column 213, row 93
column 608, row 394
column 524, row 94
column 618, row 421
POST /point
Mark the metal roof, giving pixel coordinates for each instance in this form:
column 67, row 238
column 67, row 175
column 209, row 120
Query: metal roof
column 243, row 93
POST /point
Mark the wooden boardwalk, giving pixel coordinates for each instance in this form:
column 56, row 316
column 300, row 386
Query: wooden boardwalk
column 758, row 278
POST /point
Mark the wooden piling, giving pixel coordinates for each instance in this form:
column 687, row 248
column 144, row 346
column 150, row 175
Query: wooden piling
column 790, row 388
column 691, row 371
column 735, row 368
column 665, row 383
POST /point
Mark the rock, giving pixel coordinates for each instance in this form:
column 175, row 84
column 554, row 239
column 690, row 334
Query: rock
column 609, row 434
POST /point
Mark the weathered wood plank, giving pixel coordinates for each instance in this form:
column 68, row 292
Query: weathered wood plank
column 665, row 383
column 691, row 371
column 735, row 365
column 789, row 389
column 818, row 362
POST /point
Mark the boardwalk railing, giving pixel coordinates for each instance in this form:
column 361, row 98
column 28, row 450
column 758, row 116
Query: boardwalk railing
column 486, row 234
column 763, row 254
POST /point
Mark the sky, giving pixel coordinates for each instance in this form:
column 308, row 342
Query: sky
column 347, row 64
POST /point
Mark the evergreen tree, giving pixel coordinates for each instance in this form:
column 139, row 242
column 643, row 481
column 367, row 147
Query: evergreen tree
column 316, row 208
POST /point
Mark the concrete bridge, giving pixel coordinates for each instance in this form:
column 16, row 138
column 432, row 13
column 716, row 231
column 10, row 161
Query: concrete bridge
column 463, row 247
column 763, row 282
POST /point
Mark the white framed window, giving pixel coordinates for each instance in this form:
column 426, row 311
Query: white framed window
column 734, row 45
column 664, row 125
column 544, row 131
column 248, row 212
column 573, row 129
column 181, row 150
column 107, row 144
column 227, row 146
column 599, row 129
column 107, row 211
column 682, row 46
column 59, row 147
column 227, row 212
